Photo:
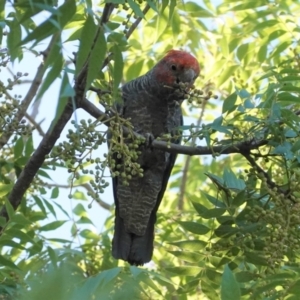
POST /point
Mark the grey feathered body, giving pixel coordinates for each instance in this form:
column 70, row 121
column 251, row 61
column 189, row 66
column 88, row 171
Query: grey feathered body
column 153, row 109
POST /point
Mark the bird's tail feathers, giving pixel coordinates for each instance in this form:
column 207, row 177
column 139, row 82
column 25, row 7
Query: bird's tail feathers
column 137, row 250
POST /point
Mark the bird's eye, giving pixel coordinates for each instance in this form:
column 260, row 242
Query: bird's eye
column 173, row 67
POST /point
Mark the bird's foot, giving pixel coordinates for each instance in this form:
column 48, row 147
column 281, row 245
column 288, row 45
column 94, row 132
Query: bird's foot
column 149, row 139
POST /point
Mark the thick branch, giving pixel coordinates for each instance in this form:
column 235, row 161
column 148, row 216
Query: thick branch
column 241, row 147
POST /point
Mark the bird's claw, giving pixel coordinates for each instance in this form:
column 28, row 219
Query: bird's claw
column 149, row 139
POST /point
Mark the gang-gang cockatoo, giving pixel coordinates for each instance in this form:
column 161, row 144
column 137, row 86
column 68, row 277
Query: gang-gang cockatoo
column 152, row 102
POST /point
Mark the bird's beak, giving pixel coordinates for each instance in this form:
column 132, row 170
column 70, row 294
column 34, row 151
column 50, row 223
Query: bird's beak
column 189, row 75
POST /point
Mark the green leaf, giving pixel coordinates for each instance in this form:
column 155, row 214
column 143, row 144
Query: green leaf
column 14, row 38
column 17, row 233
column 50, row 207
column 265, row 24
column 53, row 74
column 55, row 193
column 43, row 174
column 63, row 100
column 52, row 255
column 280, row 48
column 291, row 78
column 194, row 227
column 245, row 276
column 210, row 289
column 5, row 189
column 96, row 59
column 229, row 287
column 184, row 271
column 79, row 195
column 256, row 259
column 214, row 201
column 190, row 245
column 18, row 148
column 134, row 70
column 225, row 230
column 239, row 199
column 11, row 243
column 52, row 226
column 295, row 147
column 262, row 53
column 195, row 10
column 8, row 263
column 55, row 23
column 232, row 181
column 175, row 24
column 226, row 74
column 290, row 88
column 29, row 147
column 9, row 208
column 91, row 285
column 20, row 219
column 62, row 209
column 87, row 37
column 88, row 234
column 79, row 210
column 295, row 288
column 250, row 4
column 2, row 221
column 242, row 51
column 83, row 179
column 152, row 4
column 288, row 97
column 208, row 213
column 40, row 204
column 118, row 69
column 229, row 103
column 172, row 6
column 191, row 257
column 84, row 220
column 136, row 8
column 223, row 44
column 32, row 8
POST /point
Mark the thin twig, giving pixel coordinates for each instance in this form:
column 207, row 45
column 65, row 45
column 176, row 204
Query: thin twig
column 84, row 185
column 36, row 125
column 137, row 22
column 128, row 34
column 269, row 181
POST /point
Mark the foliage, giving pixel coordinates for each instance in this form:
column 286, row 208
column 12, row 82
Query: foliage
column 228, row 227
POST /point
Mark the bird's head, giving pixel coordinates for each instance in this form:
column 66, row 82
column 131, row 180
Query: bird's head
column 176, row 67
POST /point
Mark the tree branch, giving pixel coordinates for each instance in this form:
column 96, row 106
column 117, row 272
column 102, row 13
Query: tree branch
column 224, row 148
column 36, row 125
column 137, row 22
